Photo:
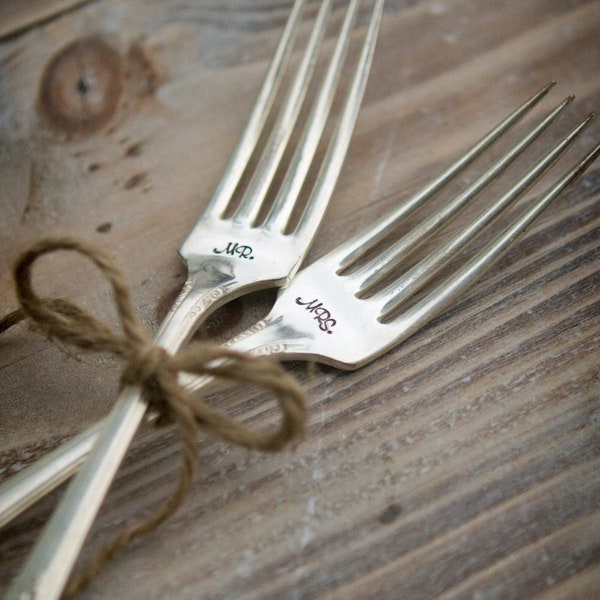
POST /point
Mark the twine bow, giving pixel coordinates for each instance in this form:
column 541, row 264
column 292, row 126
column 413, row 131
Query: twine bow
column 156, row 372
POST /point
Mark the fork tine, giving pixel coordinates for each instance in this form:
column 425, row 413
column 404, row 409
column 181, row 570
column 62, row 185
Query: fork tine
column 304, row 154
column 416, row 277
column 408, row 243
column 255, row 123
column 286, row 119
column 340, row 141
column 360, row 244
column 439, row 299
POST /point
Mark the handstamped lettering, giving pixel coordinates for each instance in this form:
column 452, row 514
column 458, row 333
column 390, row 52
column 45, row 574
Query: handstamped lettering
column 321, row 314
column 235, row 249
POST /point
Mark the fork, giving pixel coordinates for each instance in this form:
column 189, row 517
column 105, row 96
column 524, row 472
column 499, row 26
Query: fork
column 229, row 252
column 345, row 312
column 353, row 305
column 33, row 482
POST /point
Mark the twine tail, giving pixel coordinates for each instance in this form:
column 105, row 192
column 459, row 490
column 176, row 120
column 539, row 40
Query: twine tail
column 11, row 319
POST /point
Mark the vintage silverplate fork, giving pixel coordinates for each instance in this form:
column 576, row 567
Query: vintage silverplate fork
column 226, row 256
column 340, row 312
column 33, row 482
column 349, row 307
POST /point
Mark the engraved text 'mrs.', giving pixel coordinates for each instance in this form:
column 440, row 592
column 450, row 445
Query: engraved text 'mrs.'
column 321, row 314
column 235, row 249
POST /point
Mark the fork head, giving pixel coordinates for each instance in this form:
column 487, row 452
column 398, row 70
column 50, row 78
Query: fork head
column 350, row 306
column 258, row 242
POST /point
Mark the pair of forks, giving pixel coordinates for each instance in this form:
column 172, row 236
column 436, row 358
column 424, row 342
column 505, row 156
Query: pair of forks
column 346, row 309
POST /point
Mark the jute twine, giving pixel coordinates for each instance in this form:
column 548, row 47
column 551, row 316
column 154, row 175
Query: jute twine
column 156, row 372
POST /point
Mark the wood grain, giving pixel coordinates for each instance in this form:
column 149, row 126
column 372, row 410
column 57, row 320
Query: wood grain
column 19, row 16
column 463, row 464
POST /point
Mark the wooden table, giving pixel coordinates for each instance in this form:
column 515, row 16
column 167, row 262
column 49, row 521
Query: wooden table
column 463, row 464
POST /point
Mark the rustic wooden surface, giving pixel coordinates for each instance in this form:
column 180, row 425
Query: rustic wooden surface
column 465, row 463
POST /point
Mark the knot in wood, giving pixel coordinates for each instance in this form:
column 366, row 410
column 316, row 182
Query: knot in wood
column 81, row 86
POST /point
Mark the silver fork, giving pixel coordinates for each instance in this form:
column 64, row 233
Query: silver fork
column 226, row 256
column 349, row 307
column 345, row 313
column 35, row 481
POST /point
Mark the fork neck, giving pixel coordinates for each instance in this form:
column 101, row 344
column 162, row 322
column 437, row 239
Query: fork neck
column 190, row 308
column 212, row 282
column 202, row 293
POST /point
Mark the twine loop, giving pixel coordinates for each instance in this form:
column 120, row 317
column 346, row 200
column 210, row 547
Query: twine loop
column 156, row 372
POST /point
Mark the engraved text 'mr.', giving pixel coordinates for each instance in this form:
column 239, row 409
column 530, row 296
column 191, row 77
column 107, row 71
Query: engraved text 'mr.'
column 235, row 249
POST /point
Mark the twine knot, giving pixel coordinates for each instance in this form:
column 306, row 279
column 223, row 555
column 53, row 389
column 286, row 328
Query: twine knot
column 156, row 372
column 145, row 366
column 150, row 368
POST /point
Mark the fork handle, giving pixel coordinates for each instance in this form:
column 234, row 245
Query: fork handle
column 49, row 564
